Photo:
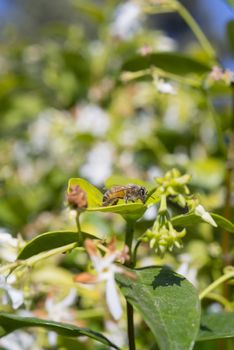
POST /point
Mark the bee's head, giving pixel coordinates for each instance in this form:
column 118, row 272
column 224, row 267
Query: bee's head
column 143, row 193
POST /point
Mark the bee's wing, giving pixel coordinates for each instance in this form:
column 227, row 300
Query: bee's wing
column 116, row 188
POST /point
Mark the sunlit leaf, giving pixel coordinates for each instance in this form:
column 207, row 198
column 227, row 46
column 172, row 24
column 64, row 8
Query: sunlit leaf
column 10, row 323
column 94, row 196
column 167, row 302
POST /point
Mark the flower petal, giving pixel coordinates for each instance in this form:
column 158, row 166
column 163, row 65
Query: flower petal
column 112, row 298
column 16, row 296
column 85, row 277
column 200, row 211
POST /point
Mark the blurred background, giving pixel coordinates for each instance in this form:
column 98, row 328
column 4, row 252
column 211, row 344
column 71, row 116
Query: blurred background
column 67, row 109
column 65, row 113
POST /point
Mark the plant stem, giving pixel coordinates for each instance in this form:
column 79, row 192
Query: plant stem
column 217, row 121
column 78, row 222
column 128, row 241
column 220, row 299
column 130, row 324
column 134, row 254
column 216, row 283
column 225, row 241
column 204, row 42
column 80, row 235
column 130, row 263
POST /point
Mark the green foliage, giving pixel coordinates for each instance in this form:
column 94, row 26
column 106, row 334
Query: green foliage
column 170, row 62
column 84, row 101
column 10, row 323
column 230, row 32
column 216, row 326
column 167, row 302
column 193, row 219
column 50, row 240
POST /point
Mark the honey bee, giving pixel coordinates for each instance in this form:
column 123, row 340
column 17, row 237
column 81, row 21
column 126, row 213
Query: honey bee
column 129, row 192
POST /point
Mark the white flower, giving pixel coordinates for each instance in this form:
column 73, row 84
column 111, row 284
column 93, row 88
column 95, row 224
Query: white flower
column 40, row 132
column 127, row 20
column 59, row 311
column 187, row 270
column 115, row 333
column 92, row 119
column 106, row 269
column 164, row 43
column 225, row 75
column 10, row 294
column 32, row 54
column 99, row 163
column 200, row 211
column 164, row 87
column 8, row 247
column 19, row 340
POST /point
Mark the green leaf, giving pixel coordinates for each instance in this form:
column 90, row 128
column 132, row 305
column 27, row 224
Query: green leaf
column 131, row 211
column 223, row 222
column 230, row 32
column 50, row 240
column 193, row 219
column 10, row 323
column 170, row 62
column 167, row 302
column 216, row 326
column 94, row 196
column 186, row 220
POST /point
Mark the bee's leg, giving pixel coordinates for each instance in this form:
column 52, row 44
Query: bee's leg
column 126, row 198
column 106, row 202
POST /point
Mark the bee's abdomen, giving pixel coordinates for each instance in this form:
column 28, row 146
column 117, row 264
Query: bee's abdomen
column 110, row 198
column 105, row 198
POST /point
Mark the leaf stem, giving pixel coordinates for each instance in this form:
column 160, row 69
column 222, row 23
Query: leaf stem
column 216, row 283
column 36, row 258
column 130, row 263
column 204, row 42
